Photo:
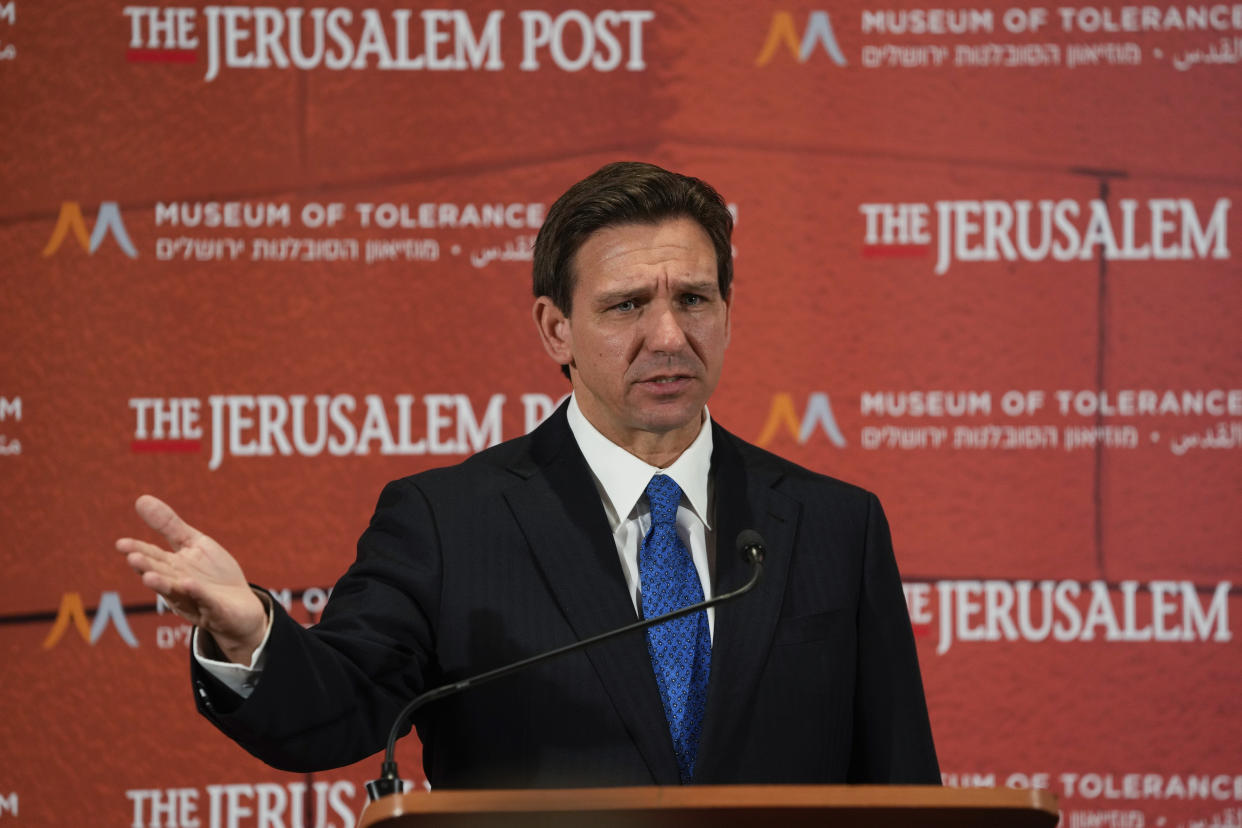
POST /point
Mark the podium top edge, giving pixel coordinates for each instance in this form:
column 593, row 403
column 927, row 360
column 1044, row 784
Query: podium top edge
column 708, row 798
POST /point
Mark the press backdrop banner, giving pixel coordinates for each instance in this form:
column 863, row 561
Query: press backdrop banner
column 260, row 260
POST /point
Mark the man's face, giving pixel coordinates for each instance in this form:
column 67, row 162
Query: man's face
column 646, row 336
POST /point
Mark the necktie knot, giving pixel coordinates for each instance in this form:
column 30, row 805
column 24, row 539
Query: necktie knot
column 664, row 495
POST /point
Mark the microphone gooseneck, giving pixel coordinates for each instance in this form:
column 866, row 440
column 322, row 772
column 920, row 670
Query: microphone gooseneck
column 749, row 545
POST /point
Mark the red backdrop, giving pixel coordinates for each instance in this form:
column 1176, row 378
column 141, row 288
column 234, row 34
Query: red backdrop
column 985, row 267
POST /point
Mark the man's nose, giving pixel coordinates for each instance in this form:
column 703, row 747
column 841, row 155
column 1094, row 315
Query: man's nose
column 665, row 334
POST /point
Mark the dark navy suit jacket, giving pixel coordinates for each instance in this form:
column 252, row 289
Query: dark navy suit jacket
column 814, row 676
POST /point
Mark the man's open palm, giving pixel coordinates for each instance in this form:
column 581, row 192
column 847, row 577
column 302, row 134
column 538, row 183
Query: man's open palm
column 199, row 578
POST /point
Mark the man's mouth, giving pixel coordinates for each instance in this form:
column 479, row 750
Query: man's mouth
column 666, row 383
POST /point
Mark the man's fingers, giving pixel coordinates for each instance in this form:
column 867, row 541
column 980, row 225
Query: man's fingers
column 160, row 517
column 159, row 582
column 142, row 564
column 139, row 562
column 178, row 591
column 143, row 557
column 130, row 546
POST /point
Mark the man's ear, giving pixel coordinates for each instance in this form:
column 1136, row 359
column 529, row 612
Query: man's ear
column 728, row 301
column 554, row 330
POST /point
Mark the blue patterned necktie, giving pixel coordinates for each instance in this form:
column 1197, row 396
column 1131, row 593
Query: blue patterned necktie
column 681, row 650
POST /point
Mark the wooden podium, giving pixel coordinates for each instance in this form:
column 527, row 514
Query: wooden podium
column 719, row 806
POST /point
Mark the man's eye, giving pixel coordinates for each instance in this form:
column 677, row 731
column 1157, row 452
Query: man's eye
column 692, row 299
column 627, row 305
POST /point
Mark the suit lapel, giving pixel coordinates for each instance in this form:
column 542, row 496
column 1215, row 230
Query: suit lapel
column 559, row 511
column 745, row 499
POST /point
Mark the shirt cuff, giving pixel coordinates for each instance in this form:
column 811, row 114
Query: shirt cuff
column 240, row 678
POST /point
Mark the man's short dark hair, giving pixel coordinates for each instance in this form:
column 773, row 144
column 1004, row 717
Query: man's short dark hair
column 625, row 192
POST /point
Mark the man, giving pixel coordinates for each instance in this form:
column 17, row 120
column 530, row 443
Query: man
column 625, row 503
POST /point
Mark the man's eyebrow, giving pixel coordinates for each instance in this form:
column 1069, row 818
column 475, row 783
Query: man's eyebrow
column 612, row 297
column 620, row 295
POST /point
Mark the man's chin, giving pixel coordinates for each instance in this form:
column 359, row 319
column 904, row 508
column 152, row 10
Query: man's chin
column 672, row 415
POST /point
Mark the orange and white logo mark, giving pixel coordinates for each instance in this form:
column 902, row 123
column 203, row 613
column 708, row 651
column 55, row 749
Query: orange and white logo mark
column 818, row 415
column 783, row 32
column 107, row 221
column 71, row 612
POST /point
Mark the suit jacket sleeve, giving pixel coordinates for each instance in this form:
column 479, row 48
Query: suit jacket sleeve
column 329, row 695
column 892, row 734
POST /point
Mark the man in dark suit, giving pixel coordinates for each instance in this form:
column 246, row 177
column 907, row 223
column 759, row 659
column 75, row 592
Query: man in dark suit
column 625, row 503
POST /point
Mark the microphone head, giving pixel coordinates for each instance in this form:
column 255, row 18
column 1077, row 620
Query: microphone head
column 750, row 546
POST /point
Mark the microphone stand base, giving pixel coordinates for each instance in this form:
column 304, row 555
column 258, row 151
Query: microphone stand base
column 384, row 786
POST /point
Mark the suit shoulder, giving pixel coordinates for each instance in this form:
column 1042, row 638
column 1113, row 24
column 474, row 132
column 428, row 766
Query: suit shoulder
column 488, row 470
column 796, row 480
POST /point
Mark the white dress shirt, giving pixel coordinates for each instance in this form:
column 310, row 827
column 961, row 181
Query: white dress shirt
column 621, row 480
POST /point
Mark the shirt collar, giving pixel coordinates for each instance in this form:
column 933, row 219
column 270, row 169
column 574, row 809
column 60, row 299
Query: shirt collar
column 622, row 478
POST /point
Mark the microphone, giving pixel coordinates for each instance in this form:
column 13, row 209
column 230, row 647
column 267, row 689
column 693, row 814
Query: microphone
column 749, row 545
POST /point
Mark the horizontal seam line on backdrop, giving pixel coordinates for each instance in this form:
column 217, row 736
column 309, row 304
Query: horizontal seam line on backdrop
column 431, row 173
column 141, row 609
column 304, row 189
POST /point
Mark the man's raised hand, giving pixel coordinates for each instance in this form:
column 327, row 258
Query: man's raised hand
column 200, row 580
